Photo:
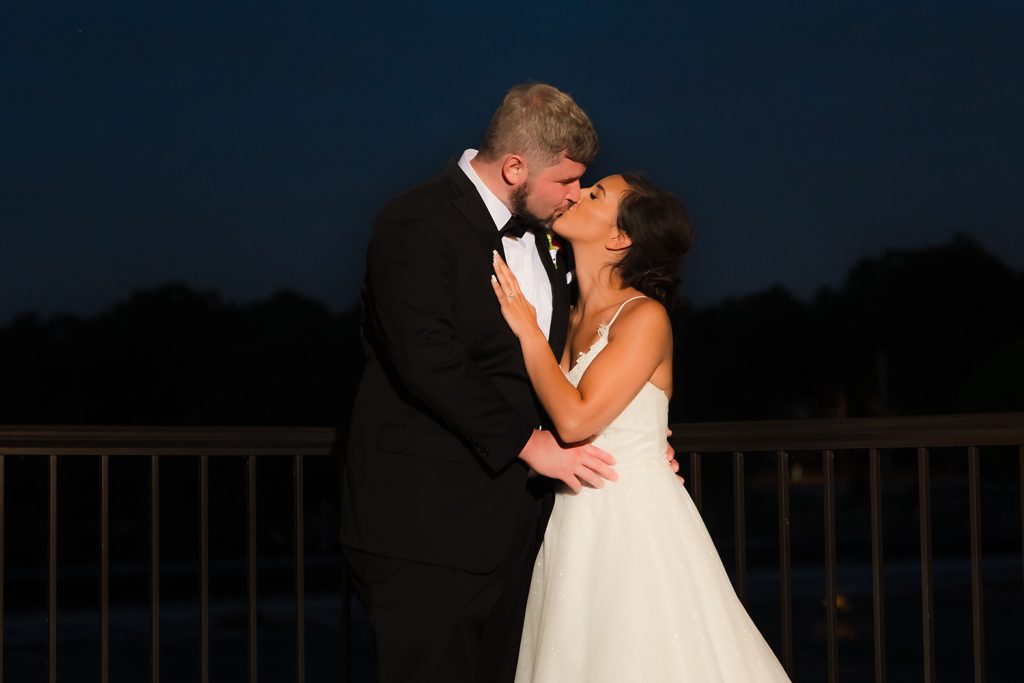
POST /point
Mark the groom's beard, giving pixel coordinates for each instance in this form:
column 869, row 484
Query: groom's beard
column 518, row 201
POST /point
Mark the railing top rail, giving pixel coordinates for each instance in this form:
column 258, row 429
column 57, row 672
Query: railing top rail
column 42, row 440
column 930, row 431
column 926, row 431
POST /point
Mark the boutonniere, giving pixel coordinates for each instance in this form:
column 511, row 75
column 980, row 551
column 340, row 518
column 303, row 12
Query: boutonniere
column 553, row 246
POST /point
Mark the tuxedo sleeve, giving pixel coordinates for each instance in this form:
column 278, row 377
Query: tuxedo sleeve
column 410, row 281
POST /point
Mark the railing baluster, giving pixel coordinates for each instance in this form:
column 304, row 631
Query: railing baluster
column 300, row 571
column 3, row 525
column 828, row 466
column 740, row 525
column 204, row 569
column 52, row 578
column 927, row 595
column 977, row 611
column 250, row 489
column 698, row 498
column 104, row 568
column 877, row 563
column 346, row 624
column 345, row 651
column 785, row 580
column 154, row 569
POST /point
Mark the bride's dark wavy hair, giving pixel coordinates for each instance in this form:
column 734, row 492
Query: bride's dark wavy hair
column 659, row 226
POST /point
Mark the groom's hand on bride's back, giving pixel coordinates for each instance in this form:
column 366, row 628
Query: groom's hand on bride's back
column 575, row 466
column 670, row 454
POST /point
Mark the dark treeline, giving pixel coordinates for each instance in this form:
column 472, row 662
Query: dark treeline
column 938, row 330
column 930, row 331
column 175, row 356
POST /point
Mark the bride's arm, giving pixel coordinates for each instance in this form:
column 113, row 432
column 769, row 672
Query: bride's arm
column 639, row 343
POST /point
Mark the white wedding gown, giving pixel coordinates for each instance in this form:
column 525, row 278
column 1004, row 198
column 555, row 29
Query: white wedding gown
column 628, row 585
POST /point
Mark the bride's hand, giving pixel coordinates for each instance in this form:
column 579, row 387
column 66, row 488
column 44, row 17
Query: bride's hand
column 520, row 315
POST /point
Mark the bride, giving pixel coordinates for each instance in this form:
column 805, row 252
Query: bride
column 628, row 584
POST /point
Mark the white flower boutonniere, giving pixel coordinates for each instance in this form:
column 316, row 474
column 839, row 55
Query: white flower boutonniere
column 553, row 246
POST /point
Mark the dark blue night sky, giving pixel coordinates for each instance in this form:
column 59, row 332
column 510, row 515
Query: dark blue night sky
column 244, row 146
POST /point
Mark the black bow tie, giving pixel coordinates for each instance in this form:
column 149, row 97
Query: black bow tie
column 515, row 227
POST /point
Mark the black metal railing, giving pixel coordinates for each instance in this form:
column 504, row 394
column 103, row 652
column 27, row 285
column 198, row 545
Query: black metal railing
column 155, row 444
column 872, row 437
column 704, row 449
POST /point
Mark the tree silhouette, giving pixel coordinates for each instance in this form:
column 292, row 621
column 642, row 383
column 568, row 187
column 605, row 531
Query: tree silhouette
column 171, row 355
column 936, row 330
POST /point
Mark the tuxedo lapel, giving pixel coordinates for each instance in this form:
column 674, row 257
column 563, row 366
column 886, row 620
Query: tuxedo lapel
column 473, row 209
column 556, row 270
column 467, row 200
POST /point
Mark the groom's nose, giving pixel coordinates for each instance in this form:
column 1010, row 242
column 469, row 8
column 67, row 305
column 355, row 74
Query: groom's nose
column 573, row 192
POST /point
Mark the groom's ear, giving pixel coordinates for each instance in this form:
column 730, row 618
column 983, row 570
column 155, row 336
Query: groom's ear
column 514, row 169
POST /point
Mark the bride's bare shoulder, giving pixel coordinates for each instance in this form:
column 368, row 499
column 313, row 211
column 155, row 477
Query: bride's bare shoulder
column 642, row 321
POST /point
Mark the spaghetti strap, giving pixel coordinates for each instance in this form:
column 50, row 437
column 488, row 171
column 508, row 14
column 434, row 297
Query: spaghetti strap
column 610, row 322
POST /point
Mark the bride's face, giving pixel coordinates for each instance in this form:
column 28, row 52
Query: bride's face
column 593, row 217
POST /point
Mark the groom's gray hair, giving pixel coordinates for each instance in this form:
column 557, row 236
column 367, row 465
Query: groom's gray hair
column 541, row 122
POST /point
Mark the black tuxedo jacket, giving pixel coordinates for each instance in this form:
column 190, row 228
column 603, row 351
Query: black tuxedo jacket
column 445, row 405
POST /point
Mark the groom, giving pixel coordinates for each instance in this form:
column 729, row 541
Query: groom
column 441, row 522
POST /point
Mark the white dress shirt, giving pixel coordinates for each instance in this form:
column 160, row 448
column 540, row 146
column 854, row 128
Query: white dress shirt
column 521, row 253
